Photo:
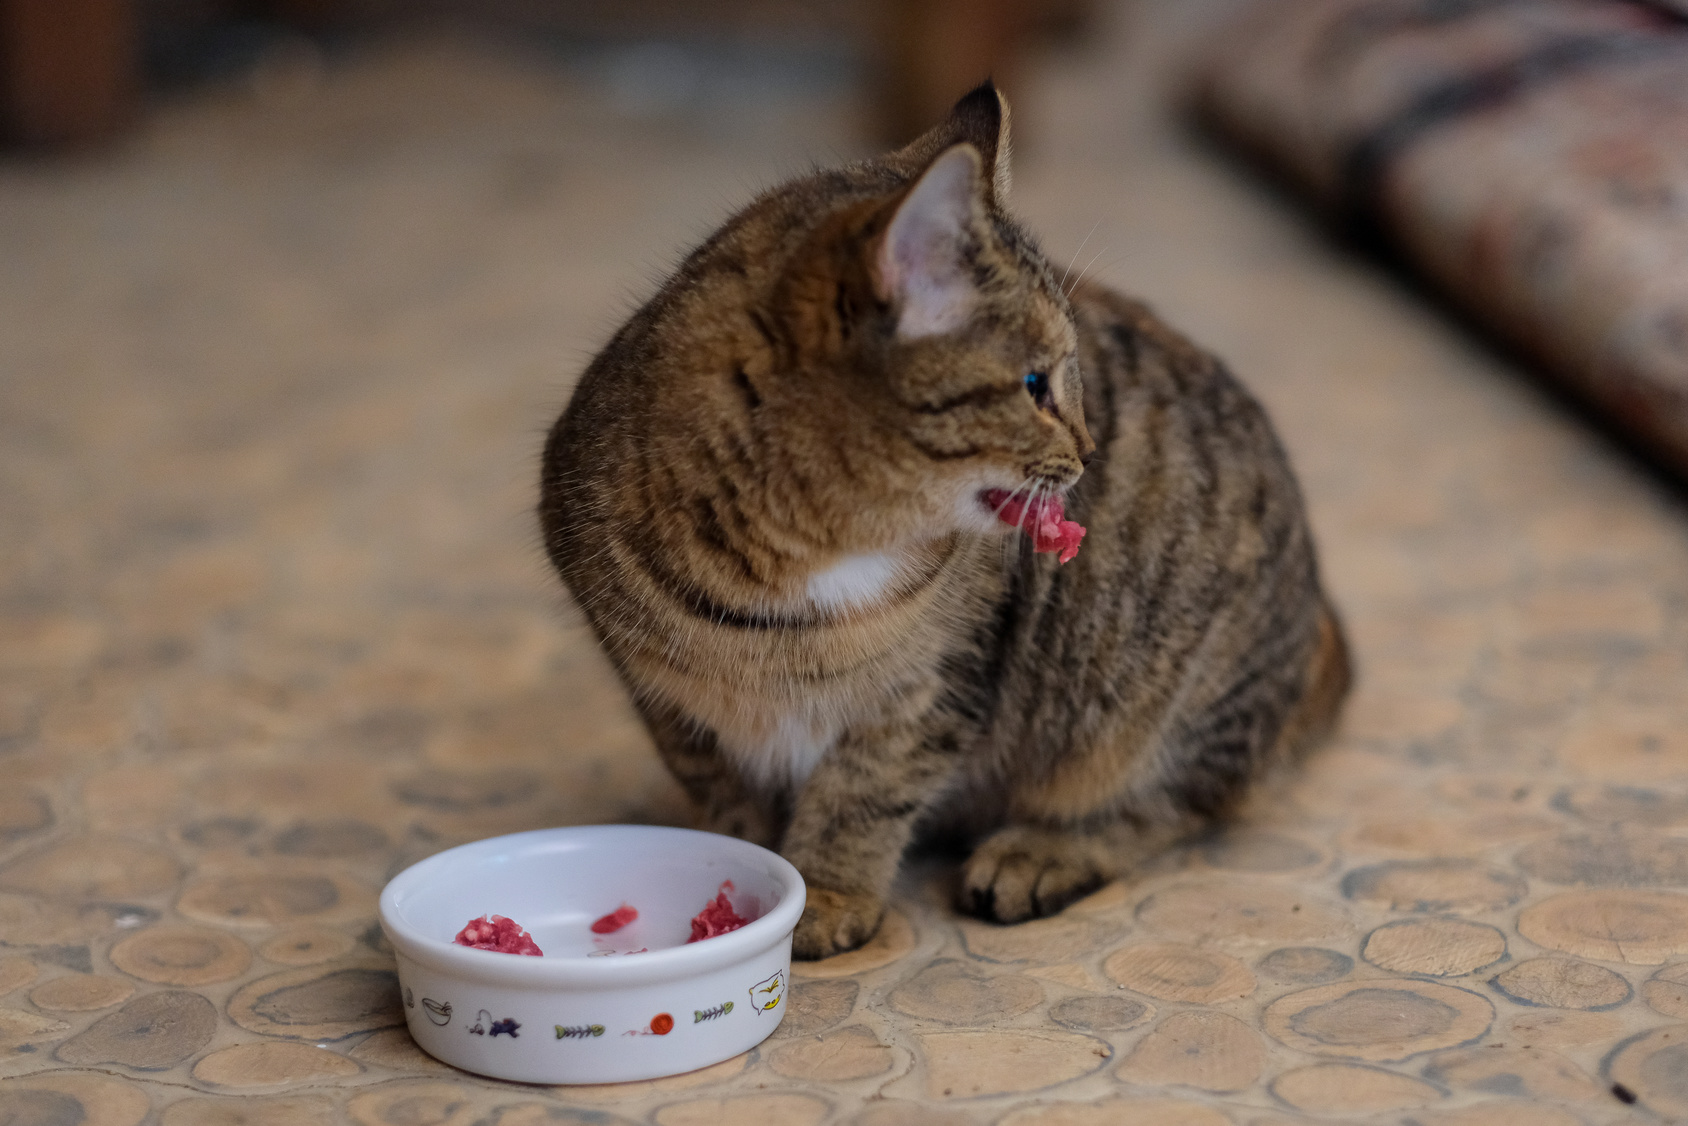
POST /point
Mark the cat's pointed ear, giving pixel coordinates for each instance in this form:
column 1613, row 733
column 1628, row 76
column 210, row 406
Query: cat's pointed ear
column 980, row 119
column 921, row 261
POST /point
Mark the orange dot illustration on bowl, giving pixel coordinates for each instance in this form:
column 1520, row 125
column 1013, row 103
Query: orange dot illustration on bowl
column 662, row 1024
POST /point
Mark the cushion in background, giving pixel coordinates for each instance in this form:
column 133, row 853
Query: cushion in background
column 1529, row 156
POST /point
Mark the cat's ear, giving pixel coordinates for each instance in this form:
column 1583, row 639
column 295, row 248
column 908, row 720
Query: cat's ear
column 921, row 261
column 980, row 119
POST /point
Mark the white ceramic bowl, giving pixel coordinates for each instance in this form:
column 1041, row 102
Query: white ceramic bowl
column 589, row 1011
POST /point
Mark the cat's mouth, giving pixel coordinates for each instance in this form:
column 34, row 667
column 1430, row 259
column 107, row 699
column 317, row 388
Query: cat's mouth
column 1045, row 517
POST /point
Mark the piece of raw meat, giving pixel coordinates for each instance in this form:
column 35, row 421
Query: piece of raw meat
column 717, row 917
column 1046, row 520
column 499, row 934
column 615, row 920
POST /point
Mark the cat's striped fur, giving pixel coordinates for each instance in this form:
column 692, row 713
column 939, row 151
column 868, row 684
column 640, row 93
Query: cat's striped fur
column 766, row 494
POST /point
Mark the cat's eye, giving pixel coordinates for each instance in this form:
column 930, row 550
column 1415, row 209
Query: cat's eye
column 1037, row 386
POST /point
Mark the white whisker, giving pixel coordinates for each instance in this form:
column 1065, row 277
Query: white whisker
column 1082, row 273
column 1062, row 285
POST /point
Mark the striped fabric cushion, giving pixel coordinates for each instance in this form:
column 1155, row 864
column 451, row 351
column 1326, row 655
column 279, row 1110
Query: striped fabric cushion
column 1529, row 156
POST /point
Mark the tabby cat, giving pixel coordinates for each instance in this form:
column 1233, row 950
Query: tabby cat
column 776, row 496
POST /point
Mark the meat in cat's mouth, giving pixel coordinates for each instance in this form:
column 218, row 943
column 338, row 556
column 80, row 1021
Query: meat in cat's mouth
column 1044, row 517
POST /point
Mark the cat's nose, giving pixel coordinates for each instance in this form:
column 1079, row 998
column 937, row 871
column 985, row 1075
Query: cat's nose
column 1086, row 444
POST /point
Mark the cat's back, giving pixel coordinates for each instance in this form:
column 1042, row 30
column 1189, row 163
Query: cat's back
column 690, row 353
column 1195, row 608
column 1199, row 564
column 1183, row 447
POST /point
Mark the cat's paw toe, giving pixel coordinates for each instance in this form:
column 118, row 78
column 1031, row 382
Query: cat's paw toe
column 835, row 921
column 1017, row 876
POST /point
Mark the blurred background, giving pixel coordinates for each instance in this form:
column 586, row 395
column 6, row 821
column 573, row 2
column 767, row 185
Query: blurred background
column 290, row 292
column 79, row 70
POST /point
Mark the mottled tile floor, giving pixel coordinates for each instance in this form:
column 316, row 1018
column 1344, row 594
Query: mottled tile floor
column 274, row 623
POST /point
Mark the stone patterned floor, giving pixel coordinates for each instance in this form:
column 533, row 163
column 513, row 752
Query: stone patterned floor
column 273, row 624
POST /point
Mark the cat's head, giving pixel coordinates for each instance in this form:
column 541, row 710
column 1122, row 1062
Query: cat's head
column 886, row 342
column 969, row 332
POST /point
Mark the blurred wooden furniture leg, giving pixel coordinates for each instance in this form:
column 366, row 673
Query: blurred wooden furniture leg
column 933, row 51
column 68, row 69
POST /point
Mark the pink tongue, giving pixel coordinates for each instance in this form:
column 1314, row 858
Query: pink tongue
column 1045, row 519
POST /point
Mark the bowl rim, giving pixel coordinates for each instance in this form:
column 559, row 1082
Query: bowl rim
column 493, row 968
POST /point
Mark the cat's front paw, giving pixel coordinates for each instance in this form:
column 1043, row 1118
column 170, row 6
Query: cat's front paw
column 1020, row 873
column 835, row 921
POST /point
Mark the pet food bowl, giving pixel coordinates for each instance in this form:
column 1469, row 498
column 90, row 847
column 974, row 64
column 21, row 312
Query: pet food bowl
column 636, row 1004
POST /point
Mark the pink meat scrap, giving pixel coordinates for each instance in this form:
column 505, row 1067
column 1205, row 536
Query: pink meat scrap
column 717, row 917
column 497, row 933
column 615, row 920
column 1045, row 518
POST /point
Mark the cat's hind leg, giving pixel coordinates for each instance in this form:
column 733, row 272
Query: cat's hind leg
column 1117, row 802
column 1028, row 871
column 1112, row 808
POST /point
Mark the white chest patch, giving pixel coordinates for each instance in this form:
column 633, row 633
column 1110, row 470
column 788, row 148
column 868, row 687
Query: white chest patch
column 853, row 581
column 787, row 755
